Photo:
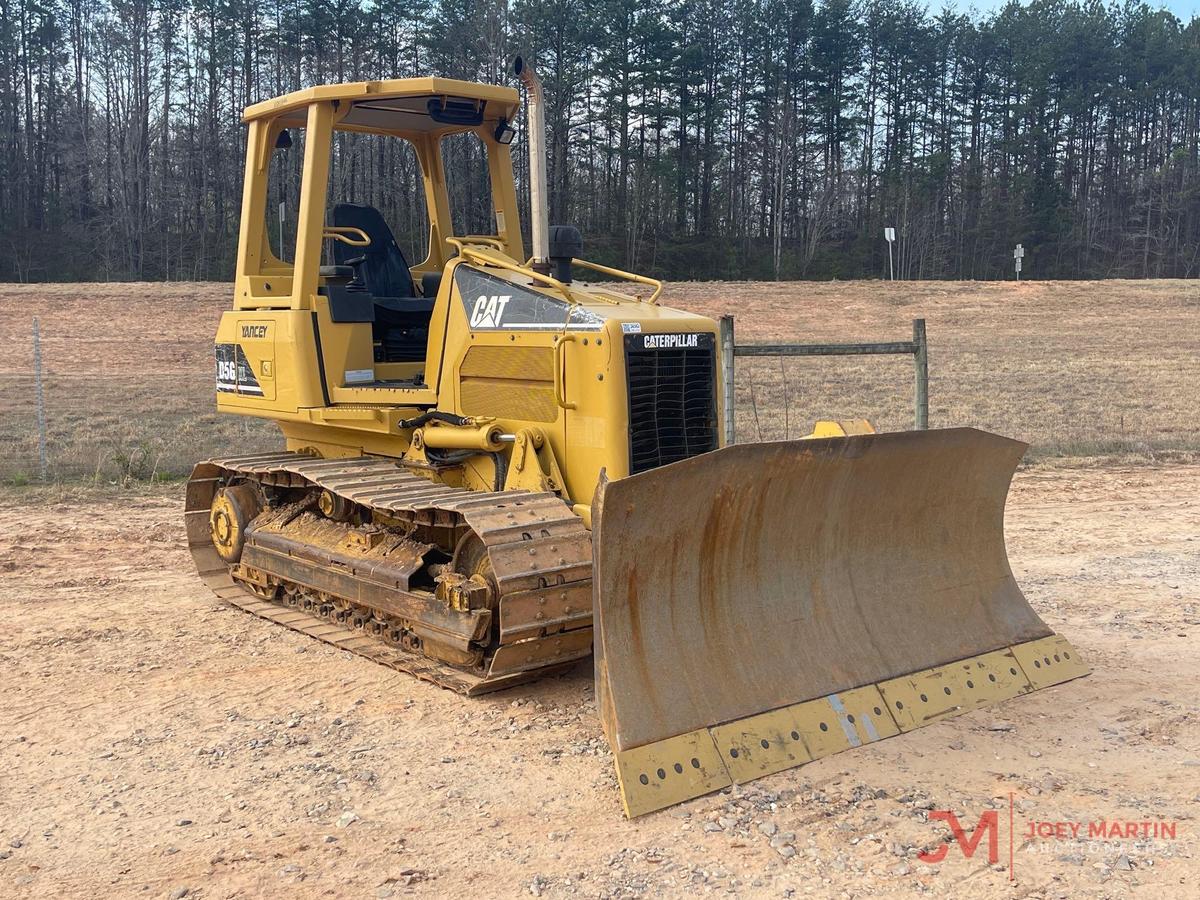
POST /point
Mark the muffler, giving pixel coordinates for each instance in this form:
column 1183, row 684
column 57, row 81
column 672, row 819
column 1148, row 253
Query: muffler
column 539, row 211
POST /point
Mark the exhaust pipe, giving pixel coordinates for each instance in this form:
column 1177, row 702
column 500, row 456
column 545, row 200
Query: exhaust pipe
column 538, row 208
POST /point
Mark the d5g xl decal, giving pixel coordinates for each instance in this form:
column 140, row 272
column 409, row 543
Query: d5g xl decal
column 234, row 375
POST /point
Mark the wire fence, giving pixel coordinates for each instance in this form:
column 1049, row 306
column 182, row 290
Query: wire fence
column 61, row 420
column 731, row 351
column 92, row 399
column 73, row 417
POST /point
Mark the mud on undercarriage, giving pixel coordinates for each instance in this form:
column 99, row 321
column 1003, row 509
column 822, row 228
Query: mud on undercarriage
column 471, row 591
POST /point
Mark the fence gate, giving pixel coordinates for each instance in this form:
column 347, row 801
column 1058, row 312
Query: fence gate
column 917, row 348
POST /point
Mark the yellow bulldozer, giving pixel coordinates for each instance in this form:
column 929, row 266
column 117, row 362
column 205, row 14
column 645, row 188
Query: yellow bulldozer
column 493, row 470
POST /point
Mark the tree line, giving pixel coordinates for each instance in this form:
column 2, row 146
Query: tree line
column 687, row 138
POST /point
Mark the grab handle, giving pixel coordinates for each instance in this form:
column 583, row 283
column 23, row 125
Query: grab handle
column 560, row 377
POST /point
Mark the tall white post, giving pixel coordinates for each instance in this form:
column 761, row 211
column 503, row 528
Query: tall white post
column 41, row 399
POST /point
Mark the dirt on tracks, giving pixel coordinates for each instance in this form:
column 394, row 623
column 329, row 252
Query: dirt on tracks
column 154, row 740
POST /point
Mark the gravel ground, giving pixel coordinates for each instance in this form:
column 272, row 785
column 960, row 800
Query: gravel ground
column 156, row 743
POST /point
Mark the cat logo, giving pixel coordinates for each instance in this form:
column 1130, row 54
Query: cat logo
column 489, row 311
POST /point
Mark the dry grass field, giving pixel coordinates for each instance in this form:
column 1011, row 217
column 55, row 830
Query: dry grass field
column 128, row 380
column 1076, row 368
column 157, row 743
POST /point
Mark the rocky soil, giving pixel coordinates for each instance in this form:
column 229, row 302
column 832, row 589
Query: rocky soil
column 156, row 743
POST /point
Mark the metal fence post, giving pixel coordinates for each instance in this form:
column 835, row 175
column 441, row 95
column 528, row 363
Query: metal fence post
column 726, row 324
column 41, row 398
column 921, row 366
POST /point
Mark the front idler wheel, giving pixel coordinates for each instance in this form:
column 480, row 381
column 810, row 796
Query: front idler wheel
column 232, row 510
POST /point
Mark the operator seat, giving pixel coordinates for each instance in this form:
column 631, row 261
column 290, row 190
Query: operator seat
column 381, row 266
column 400, row 330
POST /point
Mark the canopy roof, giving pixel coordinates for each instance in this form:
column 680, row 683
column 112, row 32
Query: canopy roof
column 396, row 105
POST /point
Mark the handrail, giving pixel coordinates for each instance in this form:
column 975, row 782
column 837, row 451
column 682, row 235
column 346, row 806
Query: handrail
column 503, row 262
column 628, row 276
column 485, row 239
column 347, row 234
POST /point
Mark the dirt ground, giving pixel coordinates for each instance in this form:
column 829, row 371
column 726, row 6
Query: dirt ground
column 154, row 740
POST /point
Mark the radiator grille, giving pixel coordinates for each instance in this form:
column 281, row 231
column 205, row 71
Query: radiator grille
column 672, row 398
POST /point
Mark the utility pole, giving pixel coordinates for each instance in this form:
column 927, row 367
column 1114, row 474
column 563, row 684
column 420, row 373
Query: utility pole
column 889, row 235
column 1018, row 255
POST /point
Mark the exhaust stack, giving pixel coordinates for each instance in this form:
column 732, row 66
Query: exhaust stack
column 538, row 208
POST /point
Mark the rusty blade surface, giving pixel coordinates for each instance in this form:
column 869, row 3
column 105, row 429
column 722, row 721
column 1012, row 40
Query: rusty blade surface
column 763, row 575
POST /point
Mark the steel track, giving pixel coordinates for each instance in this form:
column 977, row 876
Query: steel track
column 539, row 550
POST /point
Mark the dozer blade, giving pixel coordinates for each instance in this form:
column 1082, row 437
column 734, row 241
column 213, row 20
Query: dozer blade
column 766, row 605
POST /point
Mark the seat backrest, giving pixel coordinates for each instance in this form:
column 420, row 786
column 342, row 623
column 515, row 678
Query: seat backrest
column 384, row 271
